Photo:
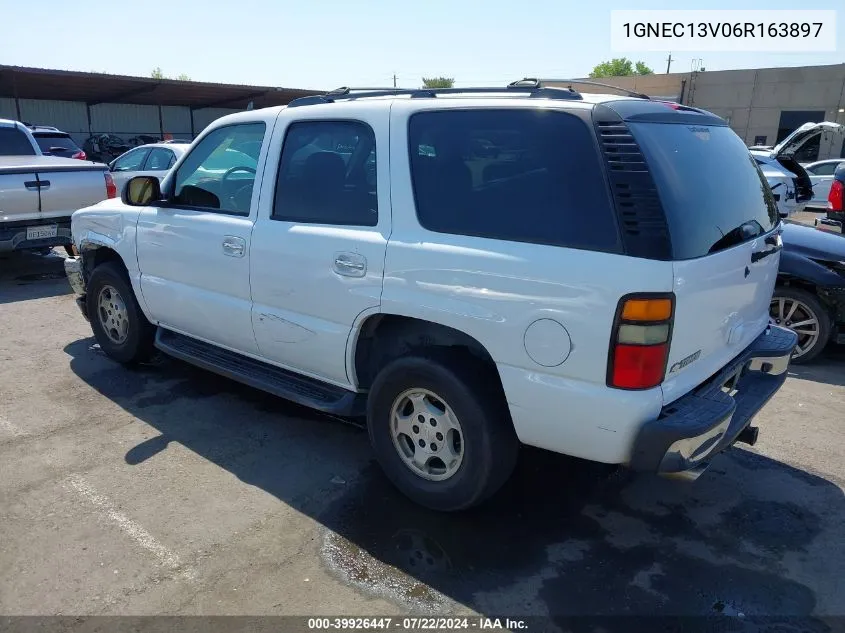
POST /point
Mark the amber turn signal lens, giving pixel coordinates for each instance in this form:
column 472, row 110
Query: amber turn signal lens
column 647, row 310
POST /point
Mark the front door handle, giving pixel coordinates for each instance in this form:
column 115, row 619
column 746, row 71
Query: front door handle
column 234, row 246
column 350, row 265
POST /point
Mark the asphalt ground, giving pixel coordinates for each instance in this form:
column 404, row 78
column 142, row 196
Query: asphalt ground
column 169, row 490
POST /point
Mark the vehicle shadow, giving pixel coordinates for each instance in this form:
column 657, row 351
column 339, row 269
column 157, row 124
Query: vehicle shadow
column 828, row 368
column 25, row 276
column 564, row 539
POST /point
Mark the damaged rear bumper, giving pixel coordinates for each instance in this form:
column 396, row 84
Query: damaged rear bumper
column 691, row 430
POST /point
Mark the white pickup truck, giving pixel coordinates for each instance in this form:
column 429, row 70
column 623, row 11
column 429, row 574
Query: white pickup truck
column 587, row 274
column 39, row 193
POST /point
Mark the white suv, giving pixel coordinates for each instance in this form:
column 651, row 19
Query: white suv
column 471, row 269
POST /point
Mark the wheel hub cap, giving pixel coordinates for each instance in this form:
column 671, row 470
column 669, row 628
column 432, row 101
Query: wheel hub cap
column 799, row 318
column 426, row 434
column 111, row 310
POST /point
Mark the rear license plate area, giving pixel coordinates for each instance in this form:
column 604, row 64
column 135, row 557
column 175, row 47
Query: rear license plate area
column 41, row 232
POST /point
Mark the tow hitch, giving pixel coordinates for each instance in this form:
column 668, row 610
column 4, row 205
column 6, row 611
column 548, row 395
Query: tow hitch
column 748, row 435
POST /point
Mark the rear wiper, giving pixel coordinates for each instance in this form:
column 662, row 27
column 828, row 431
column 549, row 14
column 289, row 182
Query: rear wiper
column 744, row 232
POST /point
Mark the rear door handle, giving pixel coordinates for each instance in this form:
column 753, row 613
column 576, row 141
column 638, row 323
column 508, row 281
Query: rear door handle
column 234, row 246
column 350, row 264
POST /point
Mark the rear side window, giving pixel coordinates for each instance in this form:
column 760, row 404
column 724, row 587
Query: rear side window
column 712, row 190
column 13, row 142
column 518, row 175
column 159, row 159
column 327, row 174
column 50, row 140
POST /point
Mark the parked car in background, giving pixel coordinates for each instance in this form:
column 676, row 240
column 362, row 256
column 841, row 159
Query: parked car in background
column 54, row 142
column 39, row 193
column 821, row 175
column 424, row 259
column 809, row 297
column 146, row 160
column 789, row 181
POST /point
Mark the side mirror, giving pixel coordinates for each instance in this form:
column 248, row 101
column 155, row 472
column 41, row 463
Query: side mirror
column 141, row 191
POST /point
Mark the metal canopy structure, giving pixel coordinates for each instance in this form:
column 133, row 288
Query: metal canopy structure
column 20, row 82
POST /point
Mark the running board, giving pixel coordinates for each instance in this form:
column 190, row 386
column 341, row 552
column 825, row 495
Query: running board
column 306, row 391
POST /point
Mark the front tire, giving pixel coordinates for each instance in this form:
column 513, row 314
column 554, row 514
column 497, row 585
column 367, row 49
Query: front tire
column 804, row 314
column 440, row 429
column 119, row 325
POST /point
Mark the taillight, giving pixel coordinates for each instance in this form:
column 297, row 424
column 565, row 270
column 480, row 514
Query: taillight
column 80, row 155
column 836, row 197
column 111, row 188
column 640, row 342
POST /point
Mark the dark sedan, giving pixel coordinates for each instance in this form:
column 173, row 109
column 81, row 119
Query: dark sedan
column 810, row 294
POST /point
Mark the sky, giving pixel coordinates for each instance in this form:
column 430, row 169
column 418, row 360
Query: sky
column 323, row 44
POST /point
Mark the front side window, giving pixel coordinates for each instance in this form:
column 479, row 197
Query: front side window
column 327, row 174
column 219, row 172
column 160, row 159
column 511, row 174
column 13, row 142
column 131, row 161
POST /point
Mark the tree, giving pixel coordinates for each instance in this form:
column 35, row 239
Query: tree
column 158, row 74
column 642, row 69
column 620, row 67
column 438, row 82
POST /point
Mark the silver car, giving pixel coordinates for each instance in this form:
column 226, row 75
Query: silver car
column 154, row 159
column 821, row 175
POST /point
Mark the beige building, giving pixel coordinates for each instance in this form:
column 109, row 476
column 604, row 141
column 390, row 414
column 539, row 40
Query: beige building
column 761, row 105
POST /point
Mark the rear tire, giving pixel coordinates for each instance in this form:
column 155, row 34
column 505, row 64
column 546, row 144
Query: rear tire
column 807, row 308
column 119, row 326
column 482, row 444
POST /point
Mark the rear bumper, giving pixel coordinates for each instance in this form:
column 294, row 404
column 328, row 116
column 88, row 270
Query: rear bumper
column 13, row 234
column 691, row 430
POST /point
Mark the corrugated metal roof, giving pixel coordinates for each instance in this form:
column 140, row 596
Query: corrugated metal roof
column 94, row 88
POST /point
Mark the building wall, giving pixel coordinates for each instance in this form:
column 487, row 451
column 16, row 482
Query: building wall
column 121, row 119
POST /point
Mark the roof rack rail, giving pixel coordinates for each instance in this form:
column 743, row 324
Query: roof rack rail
column 541, row 83
column 532, row 89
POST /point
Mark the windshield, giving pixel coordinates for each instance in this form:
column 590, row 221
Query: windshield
column 712, row 190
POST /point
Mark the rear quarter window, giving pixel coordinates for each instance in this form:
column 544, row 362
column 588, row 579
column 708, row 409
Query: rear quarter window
column 711, row 189
column 13, row 142
column 511, row 174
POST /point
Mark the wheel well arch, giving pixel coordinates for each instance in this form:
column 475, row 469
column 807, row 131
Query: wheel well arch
column 384, row 337
column 94, row 255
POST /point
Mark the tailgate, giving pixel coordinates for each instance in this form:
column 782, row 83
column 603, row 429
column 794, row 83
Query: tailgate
column 719, row 314
column 65, row 191
column 18, row 196
column 725, row 241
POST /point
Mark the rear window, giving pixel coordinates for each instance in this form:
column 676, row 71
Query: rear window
column 46, row 141
column 712, row 190
column 13, row 142
column 511, row 174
